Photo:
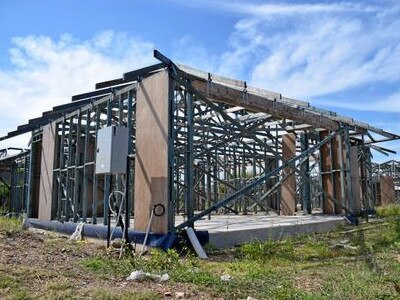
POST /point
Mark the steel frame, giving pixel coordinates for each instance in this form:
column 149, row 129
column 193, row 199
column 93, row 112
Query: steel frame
column 224, row 157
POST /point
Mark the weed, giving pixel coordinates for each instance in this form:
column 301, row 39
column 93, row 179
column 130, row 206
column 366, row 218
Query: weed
column 19, row 295
column 264, row 250
column 390, row 210
column 8, row 281
column 9, row 226
column 161, row 261
column 314, row 251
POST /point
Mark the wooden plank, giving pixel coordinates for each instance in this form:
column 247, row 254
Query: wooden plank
column 220, row 93
column 46, row 171
column 326, row 168
column 151, row 163
column 288, row 192
column 387, row 190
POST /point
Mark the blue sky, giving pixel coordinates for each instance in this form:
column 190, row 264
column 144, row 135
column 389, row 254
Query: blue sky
column 339, row 55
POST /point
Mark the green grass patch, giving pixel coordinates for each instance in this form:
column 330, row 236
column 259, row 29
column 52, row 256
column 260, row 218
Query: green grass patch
column 11, row 288
column 391, row 210
column 10, row 225
column 351, row 263
column 8, row 281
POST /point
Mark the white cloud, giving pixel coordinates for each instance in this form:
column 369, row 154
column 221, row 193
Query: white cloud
column 267, row 10
column 309, row 50
column 289, row 9
column 48, row 72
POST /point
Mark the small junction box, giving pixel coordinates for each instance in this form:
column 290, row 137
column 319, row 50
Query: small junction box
column 112, row 150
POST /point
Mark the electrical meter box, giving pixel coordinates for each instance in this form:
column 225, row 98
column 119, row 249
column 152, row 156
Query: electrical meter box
column 112, row 150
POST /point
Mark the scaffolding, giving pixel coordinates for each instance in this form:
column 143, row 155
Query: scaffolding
column 199, row 145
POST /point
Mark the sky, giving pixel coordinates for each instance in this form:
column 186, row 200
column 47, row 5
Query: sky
column 339, row 55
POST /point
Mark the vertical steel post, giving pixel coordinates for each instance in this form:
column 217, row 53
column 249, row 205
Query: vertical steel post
column 189, row 205
column 172, row 192
column 107, row 179
column 30, row 182
column 61, row 172
column 305, row 180
column 68, row 200
column 342, row 170
column 350, row 198
column 208, row 183
column 128, row 195
column 85, row 168
column 95, row 185
column 77, row 177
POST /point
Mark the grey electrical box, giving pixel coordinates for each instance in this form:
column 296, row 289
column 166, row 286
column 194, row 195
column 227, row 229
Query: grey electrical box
column 112, row 150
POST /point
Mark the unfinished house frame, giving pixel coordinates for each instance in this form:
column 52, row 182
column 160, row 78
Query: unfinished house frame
column 200, row 145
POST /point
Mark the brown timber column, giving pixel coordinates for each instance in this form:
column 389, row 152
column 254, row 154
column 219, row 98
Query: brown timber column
column 327, row 178
column 337, row 184
column 288, row 194
column 355, row 178
column 151, row 163
column 46, row 172
column 387, row 190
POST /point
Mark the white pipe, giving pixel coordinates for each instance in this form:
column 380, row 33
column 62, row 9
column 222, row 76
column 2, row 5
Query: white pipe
column 195, row 243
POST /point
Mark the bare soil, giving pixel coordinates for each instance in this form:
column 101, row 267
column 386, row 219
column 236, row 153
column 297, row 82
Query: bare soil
column 42, row 265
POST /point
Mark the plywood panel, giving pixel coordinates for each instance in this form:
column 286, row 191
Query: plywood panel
column 46, row 172
column 327, row 178
column 387, row 190
column 151, row 163
column 288, row 194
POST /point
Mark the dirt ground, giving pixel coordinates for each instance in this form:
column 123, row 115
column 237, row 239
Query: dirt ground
column 42, row 265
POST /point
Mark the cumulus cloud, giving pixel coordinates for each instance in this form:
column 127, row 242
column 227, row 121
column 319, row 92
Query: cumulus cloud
column 46, row 72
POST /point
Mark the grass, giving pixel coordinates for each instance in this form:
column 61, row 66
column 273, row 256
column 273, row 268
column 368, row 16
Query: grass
column 391, row 210
column 351, row 263
column 10, row 225
column 101, row 294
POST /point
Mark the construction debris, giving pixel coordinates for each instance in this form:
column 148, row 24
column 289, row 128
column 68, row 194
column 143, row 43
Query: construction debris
column 139, row 275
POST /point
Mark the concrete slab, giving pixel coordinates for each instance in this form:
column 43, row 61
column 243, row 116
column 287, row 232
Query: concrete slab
column 231, row 230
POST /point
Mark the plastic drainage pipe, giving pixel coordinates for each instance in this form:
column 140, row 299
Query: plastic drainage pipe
column 195, row 243
column 164, row 241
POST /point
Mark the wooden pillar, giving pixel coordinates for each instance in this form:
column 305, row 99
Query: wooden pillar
column 288, row 194
column 328, row 206
column 355, row 178
column 46, row 204
column 337, row 157
column 387, row 190
column 151, row 163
